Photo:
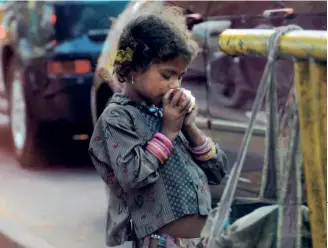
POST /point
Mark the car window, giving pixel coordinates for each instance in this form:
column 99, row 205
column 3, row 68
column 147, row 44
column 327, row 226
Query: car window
column 75, row 18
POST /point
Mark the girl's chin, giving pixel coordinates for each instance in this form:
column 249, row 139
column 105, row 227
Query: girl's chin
column 159, row 104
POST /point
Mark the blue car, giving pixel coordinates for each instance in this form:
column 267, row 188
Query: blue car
column 49, row 53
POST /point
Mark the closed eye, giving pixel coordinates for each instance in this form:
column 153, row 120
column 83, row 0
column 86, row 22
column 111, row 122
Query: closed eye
column 166, row 77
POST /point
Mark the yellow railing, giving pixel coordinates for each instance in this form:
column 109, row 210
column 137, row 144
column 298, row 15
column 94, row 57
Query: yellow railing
column 301, row 44
column 309, row 51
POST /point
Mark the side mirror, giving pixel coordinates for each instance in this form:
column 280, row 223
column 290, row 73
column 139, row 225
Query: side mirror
column 193, row 19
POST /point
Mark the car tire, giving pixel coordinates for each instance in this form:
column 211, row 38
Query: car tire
column 237, row 97
column 227, row 81
column 93, row 105
column 24, row 129
column 100, row 96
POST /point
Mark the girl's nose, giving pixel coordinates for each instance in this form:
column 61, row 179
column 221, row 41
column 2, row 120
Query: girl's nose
column 175, row 84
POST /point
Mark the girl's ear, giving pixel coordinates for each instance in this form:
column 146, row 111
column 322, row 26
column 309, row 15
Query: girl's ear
column 131, row 77
column 133, row 74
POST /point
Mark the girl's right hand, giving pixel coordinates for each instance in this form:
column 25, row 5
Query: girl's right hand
column 175, row 110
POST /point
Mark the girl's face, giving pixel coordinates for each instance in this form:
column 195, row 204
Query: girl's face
column 152, row 84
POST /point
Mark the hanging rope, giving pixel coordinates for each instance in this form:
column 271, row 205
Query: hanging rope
column 222, row 212
column 290, row 198
column 269, row 189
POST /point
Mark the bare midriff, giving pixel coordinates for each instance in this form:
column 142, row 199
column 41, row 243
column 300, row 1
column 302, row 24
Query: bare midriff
column 189, row 226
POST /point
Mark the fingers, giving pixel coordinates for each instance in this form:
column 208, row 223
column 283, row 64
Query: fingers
column 180, row 99
column 193, row 104
column 167, row 96
column 175, row 100
column 186, row 105
column 186, row 102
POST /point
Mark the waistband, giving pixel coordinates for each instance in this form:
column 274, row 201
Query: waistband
column 167, row 241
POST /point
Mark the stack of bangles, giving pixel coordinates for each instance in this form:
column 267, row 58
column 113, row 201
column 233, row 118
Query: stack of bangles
column 160, row 146
column 204, row 152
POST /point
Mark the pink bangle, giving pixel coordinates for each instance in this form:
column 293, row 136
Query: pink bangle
column 200, row 148
column 162, row 146
column 155, row 153
column 211, row 154
column 206, row 150
column 167, row 142
column 158, row 149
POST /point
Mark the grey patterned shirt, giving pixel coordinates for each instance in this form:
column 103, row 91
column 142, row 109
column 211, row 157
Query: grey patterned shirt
column 140, row 188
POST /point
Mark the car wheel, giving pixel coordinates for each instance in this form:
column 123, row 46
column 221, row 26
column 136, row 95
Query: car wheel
column 100, row 97
column 93, row 105
column 23, row 128
column 227, row 81
column 231, row 95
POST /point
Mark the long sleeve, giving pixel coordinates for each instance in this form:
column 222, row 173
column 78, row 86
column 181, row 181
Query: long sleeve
column 215, row 168
column 132, row 164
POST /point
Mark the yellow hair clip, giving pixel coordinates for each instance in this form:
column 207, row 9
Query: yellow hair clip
column 124, row 55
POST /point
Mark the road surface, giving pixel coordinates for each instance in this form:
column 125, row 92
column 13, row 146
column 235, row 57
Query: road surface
column 65, row 203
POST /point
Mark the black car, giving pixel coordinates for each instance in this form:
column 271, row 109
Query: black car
column 49, row 53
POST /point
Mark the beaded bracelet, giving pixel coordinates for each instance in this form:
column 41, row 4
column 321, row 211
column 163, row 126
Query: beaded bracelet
column 204, row 151
column 207, row 156
column 199, row 148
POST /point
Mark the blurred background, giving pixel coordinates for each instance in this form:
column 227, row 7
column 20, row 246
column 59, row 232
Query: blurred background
column 52, row 92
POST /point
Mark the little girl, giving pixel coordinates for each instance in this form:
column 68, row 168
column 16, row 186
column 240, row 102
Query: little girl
column 146, row 146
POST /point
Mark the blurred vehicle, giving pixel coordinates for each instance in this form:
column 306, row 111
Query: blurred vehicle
column 3, row 6
column 48, row 60
column 225, row 86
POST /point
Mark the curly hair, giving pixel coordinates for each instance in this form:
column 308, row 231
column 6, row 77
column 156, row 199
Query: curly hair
column 154, row 35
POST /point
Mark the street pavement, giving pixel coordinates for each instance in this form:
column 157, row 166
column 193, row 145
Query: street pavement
column 65, row 203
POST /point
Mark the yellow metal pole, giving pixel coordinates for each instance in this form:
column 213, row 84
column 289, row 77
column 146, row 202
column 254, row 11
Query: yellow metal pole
column 318, row 77
column 300, row 44
column 308, row 95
